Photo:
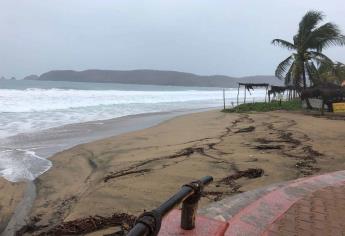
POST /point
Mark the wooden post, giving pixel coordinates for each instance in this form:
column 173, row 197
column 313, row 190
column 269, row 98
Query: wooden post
column 266, row 94
column 323, row 107
column 224, row 99
column 290, row 95
column 245, row 93
column 238, row 93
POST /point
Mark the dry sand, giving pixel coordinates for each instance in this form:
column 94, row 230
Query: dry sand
column 139, row 170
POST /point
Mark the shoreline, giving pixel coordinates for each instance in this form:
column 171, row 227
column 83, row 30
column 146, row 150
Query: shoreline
column 138, row 170
column 48, row 142
column 119, row 125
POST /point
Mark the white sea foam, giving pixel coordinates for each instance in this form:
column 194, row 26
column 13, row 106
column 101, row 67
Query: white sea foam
column 34, row 109
column 22, row 165
column 34, row 100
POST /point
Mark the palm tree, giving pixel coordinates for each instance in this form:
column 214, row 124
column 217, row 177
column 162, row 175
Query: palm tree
column 328, row 73
column 308, row 44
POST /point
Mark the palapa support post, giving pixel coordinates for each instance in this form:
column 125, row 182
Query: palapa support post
column 323, row 107
column 224, row 99
column 289, row 91
column 245, row 94
column 290, row 94
column 266, row 94
column 250, row 86
column 238, row 92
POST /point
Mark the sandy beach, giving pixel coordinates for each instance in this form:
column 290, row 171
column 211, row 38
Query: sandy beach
column 137, row 171
column 10, row 196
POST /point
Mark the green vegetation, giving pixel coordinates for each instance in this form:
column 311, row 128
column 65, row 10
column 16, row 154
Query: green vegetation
column 307, row 46
column 333, row 73
column 264, row 107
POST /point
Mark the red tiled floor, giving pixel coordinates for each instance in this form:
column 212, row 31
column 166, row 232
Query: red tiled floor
column 307, row 206
column 320, row 213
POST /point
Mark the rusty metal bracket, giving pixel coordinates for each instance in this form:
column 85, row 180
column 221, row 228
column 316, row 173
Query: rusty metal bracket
column 152, row 220
column 190, row 205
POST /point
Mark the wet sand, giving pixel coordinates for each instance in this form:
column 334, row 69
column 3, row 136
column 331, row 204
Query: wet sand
column 17, row 198
column 136, row 171
column 10, row 196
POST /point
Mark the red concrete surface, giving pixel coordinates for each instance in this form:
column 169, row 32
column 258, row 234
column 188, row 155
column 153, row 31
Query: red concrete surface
column 259, row 215
column 320, row 213
column 307, row 206
column 204, row 226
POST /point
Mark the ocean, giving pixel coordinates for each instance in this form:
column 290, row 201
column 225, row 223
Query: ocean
column 40, row 118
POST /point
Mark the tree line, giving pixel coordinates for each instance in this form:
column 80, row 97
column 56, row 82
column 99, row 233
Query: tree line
column 308, row 65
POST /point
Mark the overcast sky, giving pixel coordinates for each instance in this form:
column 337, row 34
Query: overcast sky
column 201, row 36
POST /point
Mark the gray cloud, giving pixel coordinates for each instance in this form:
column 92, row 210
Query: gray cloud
column 201, row 36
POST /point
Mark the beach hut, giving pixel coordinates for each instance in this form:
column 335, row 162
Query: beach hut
column 290, row 90
column 250, row 86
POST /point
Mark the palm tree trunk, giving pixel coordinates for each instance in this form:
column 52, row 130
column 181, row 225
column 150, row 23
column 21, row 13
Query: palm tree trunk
column 305, row 86
column 304, row 77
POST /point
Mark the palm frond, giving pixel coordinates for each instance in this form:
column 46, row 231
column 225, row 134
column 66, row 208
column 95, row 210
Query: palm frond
column 335, row 41
column 339, row 64
column 297, row 73
column 284, row 44
column 339, row 72
column 325, row 68
column 313, row 73
column 308, row 44
column 288, row 77
column 325, row 36
column 282, row 67
column 319, row 58
column 309, row 22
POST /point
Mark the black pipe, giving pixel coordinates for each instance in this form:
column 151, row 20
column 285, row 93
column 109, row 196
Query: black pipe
column 149, row 223
column 139, row 229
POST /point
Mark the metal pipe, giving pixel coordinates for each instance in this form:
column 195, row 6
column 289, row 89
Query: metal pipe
column 139, row 229
column 149, row 223
column 175, row 200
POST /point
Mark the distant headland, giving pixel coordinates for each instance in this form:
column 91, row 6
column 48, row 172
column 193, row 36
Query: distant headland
column 151, row 77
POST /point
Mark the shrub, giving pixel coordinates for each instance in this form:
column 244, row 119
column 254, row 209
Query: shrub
column 264, row 107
